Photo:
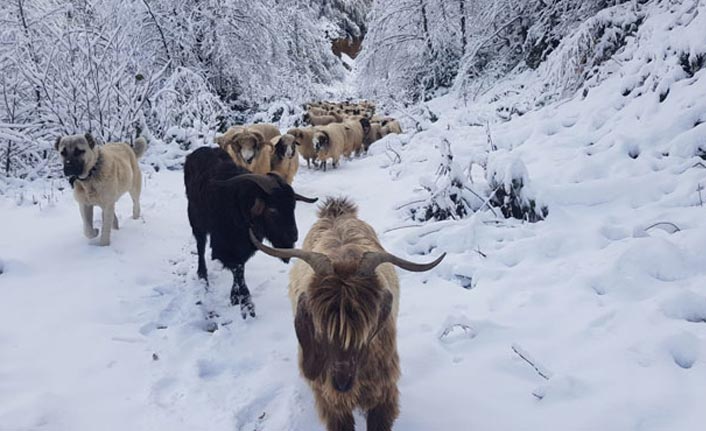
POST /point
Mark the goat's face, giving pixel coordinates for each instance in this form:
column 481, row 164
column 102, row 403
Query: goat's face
column 247, row 147
column 321, row 141
column 285, row 147
column 274, row 214
column 336, row 323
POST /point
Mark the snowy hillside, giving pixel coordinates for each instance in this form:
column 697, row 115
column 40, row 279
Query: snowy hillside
column 592, row 317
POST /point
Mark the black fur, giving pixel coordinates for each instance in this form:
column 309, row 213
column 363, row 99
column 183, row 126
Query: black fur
column 225, row 212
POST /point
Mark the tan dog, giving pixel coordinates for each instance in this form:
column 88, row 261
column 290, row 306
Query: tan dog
column 100, row 175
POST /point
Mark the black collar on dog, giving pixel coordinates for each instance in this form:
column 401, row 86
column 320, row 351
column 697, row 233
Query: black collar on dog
column 94, row 169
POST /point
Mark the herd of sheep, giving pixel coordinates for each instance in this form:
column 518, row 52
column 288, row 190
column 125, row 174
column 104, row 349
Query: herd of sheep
column 343, row 288
column 336, row 131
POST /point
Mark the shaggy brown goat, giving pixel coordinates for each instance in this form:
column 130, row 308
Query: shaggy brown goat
column 345, row 293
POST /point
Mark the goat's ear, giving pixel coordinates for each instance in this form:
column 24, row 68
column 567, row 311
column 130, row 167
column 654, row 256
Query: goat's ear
column 312, row 354
column 258, row 208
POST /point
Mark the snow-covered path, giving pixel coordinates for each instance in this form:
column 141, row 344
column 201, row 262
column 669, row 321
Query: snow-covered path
column 112, row 338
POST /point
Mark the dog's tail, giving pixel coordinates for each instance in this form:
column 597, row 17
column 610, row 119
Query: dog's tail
column 139, row 146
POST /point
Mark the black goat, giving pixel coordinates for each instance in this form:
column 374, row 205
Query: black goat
column 225, row 200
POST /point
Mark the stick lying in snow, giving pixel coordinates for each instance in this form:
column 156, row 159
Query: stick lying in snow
column 543, row 372
column 665, row 226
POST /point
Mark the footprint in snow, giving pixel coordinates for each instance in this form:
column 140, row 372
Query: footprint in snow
column 684, row 349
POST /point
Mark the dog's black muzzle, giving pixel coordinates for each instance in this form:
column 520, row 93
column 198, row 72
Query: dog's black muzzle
column 73, row 169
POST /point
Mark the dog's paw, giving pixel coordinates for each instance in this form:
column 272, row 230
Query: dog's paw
column 90, row 233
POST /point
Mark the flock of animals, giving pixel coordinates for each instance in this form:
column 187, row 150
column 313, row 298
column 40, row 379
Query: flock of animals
column 343, row 288
column 336, row 130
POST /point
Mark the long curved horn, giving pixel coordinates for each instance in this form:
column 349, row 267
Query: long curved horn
column 299, row 197
column 264, row 182
column 371, row 260
column 319, row 262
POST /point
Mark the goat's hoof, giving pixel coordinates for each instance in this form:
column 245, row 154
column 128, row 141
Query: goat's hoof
column 90, row 233
column 247, row 308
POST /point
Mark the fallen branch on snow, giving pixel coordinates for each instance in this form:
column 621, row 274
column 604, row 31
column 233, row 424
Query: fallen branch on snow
column 543, row 372
column 665, row 226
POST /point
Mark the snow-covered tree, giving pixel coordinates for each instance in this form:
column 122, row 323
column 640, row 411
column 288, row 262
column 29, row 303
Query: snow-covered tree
column 122, row 67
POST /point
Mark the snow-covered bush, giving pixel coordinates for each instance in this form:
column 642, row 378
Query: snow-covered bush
column 510, row 187
column 185, row 109
column 449, row 194
column 284, row 113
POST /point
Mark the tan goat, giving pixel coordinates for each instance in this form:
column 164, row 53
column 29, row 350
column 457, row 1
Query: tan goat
column 248, row 148
column 374, row 134
column 391, row 126
column 356, row 129
column 322, row 120
column 329, row 142
column 304, row 139
column 285, row 159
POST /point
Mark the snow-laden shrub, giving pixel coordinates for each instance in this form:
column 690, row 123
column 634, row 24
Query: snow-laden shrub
column 283, row 113
column 449, row 194
column 185, row 108
column 512, row 193
column 577, row 59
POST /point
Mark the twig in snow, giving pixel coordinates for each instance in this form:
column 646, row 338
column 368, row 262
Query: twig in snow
column 662, row 224
column 402, row 227
column 543, row 372
column 480, row 252
column 698, row 189
column 492, row 145
column 418, row 201
column 397, row 159
column 486, row 202
column 421, row 235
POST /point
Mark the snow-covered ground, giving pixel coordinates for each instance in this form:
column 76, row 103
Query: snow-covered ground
column 594, row 318
column 113, row 338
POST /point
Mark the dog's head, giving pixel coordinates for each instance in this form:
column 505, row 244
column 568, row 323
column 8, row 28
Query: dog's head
column 77, row 154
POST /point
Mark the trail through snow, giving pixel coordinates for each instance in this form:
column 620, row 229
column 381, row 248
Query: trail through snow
column 112, row 338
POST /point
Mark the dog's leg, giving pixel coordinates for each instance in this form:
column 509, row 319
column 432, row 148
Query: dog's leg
column 108, row 212
column 135, row 195
column 240, row 294
column 87, row 217
column 116, row 226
